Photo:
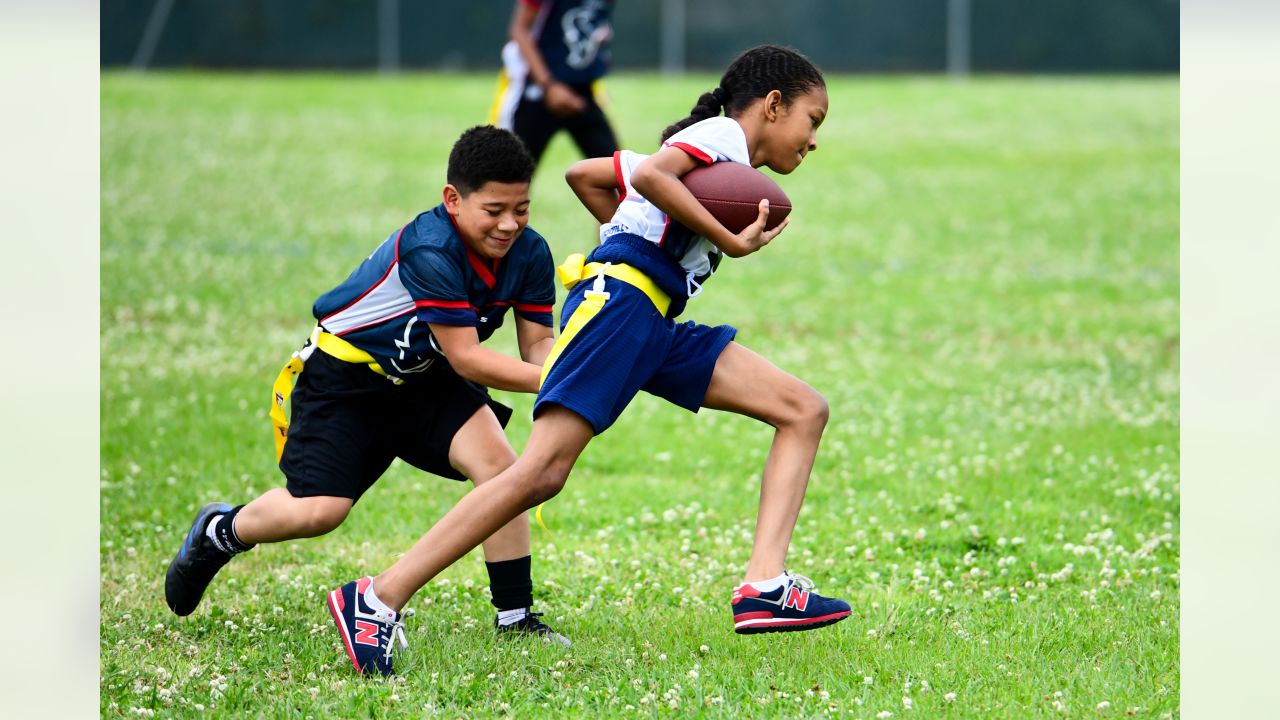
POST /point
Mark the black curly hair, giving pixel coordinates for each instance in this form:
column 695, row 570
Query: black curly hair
column 484, row 154
column 751, row 75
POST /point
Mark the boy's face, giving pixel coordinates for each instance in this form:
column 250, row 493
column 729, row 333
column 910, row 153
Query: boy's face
column 491, row 217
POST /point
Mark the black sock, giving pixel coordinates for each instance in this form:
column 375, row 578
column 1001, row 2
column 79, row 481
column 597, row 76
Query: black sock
column 511, row 582
column 225, row 533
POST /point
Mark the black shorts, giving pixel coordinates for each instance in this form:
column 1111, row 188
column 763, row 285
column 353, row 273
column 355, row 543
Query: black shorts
column 534, row 124
column 348, row 423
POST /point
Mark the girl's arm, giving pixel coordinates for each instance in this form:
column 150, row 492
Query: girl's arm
column 657, row 178
column 596, row 185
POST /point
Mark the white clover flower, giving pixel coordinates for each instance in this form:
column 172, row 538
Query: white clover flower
column 1104, row 705
column 868, row 680
column 949, row 697
column 884, row 714
column 906, row 703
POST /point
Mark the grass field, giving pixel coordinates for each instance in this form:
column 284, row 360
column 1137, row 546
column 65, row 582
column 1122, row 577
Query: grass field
column 981, row 277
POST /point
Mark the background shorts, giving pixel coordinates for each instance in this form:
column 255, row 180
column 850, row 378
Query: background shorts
column 627, row 347
column 348, row 423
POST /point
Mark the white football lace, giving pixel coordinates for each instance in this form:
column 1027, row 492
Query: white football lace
column 396, row 631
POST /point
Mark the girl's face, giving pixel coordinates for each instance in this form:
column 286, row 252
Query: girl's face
column 792, row 131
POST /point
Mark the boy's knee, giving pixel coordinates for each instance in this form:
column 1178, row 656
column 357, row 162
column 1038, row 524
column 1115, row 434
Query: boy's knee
column 325, row 514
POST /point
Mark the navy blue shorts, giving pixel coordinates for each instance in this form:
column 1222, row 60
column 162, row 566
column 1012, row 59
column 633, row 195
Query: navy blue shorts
column 626, row 347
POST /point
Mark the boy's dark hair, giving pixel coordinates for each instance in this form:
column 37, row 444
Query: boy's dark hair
column 752, row 75
column 487, row 154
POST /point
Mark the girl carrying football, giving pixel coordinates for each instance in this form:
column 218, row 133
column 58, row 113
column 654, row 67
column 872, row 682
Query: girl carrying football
column 659, row 245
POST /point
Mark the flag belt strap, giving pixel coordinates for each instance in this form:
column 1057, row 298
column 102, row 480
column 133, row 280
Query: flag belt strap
column 575, row 269
column 282, row 388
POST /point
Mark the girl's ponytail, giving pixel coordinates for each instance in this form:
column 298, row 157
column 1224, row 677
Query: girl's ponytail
column 709, row 105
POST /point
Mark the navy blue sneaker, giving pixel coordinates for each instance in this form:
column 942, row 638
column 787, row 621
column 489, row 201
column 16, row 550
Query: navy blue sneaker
column 793, row 606
column 531, row 624
column 367, row 634
column 198, row 560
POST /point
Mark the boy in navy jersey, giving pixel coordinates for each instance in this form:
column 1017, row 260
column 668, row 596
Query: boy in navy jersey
column 395, row 368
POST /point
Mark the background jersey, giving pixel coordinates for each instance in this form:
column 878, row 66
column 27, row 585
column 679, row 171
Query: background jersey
column 424, row 273
column 717, row 139
column 573, row 37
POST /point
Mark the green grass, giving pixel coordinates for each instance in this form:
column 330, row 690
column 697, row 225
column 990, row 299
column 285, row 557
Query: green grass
column 981, row 277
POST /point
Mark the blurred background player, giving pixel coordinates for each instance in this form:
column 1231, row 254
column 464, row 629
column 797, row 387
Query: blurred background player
column 552, row 68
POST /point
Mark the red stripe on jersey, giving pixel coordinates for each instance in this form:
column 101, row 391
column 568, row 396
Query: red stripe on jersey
column 695, row 152
column 617, row 173
column 522, row 307
column 478, row 264
column 447, row 304
column 535, row 4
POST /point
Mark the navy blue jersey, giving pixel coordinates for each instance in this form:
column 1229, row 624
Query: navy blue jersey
column 424, row 273
column 573, row 37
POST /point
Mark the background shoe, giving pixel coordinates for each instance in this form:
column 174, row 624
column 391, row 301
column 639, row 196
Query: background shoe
column 367, row 634
column 531, row 624
column 793, row 606
column 198, row 560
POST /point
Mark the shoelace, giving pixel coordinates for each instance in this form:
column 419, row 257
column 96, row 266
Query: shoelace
column 395, row 630
column 804, row 582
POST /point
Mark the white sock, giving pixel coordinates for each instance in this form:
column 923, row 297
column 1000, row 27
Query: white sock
column 770, row 584
column 510, row 617
column 371, row 599
column 211, row 532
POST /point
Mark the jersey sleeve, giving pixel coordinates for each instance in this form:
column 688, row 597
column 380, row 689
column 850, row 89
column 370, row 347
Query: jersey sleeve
column 712, row 140
column 538, row 289
column 437, row 283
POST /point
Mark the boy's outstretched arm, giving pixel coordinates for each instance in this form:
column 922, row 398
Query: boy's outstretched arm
column 596, row 185
column 461, row 345
column 657, row 178
column 535, row 340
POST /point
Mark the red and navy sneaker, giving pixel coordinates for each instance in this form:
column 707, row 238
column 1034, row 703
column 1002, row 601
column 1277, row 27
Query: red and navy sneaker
column 793, row 606
column 367, row 634
column 197, row 561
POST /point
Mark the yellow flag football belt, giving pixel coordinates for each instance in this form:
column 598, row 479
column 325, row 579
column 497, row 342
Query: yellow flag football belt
column 282, row 388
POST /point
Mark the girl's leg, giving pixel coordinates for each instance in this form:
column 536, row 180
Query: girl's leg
column 276, row 515
column 558, row 437
column 799, row 415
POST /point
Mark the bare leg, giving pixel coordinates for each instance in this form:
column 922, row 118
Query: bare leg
column 558, row 437
column 799, row 415
column 276, row 515
column 480, row 451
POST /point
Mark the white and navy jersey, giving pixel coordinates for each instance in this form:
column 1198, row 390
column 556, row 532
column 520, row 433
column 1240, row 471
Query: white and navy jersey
column 424, row 273
column 717, row 139
column 573, row 39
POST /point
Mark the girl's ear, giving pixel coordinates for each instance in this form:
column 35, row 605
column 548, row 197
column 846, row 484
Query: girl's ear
column 772, row 105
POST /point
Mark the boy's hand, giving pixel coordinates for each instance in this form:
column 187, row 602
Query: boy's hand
column 754, row 236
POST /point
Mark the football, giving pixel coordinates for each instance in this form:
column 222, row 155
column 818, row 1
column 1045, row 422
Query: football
column 732, row 193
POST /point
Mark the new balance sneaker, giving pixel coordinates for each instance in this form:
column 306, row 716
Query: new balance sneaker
column 367, row 634
column 531, row 624
column 793, row 606
column 197, row 561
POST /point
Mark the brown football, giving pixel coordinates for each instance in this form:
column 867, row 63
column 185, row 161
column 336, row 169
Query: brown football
column 732, row 193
